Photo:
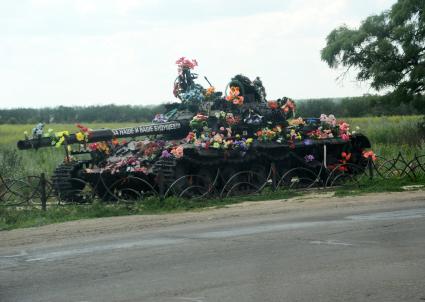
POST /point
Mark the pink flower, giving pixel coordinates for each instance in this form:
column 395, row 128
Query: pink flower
column 190, row 137
column 345, row 137
column 200, row 117
column 184, row 63
column 344, row 127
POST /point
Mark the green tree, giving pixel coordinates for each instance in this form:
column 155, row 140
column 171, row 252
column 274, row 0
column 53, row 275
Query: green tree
column 387, row 49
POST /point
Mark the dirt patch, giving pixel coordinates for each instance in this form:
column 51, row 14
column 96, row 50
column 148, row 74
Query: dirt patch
column 100, row 226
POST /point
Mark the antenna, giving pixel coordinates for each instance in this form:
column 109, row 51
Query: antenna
column 206, row 79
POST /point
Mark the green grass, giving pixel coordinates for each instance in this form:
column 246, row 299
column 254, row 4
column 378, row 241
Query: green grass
column 13, row 218
column 378, row 185
column 392, row 134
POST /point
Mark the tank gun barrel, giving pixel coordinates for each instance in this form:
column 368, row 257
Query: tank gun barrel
column 172, row 128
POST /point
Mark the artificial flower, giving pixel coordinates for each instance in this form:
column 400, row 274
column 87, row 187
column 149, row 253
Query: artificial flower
column 369, row 154
column 308, row 158
column 177, row 151
column 210, row 91
column 184, row 63
column 273, row 104
column 234, row 96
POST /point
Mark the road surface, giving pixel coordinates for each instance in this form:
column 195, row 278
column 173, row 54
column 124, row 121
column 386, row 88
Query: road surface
column 361, row 252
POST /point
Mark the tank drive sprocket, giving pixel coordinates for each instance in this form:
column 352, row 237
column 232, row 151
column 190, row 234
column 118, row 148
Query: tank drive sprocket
column 67, row 183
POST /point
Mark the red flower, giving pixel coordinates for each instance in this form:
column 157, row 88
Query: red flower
column 369, row 154
column 273, row 104
column 346, row 156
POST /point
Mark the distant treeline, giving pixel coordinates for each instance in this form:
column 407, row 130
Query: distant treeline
column 371, row 105
column 89, row 114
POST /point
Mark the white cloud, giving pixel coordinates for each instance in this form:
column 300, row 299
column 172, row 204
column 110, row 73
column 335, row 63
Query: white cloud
column 137, row 66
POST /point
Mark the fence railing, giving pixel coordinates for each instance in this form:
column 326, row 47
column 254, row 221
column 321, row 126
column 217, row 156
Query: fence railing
column 38, row 191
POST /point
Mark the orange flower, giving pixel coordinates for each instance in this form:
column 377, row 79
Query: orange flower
column 177, row 152
column 210, row 90
column 234, row 96
column 234, row 90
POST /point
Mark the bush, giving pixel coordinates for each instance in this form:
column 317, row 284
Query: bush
column 10, row 162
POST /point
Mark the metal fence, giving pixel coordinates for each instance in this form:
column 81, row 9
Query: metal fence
column 37, row 190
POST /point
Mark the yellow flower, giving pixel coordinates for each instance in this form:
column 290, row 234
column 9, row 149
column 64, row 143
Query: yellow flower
column 62, row 134
column 61, row 137
column 59, row 142
column 80, row 136
column 249, row 140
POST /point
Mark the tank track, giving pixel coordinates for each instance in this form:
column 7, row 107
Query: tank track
column 66, row 184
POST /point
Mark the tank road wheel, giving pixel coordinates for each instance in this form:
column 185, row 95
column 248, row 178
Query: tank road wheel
column 345, row 174
column 131, row 188
column 298, row 178
column 189, row 183
column 240, row 181
column 208, row 179
column 69, row 185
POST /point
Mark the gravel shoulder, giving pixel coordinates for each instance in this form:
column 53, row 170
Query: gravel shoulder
column 297, row 206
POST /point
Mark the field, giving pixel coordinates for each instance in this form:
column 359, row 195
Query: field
column 388, row 135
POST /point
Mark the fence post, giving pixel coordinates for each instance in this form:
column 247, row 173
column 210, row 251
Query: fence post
column 273, row 167
column 43, row 196
column 370, row 164
column 161, row 184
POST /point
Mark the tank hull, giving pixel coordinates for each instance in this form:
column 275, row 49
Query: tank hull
column 218, row 173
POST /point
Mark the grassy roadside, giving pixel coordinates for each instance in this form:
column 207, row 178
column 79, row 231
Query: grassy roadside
column 380, row 185
column 11, row 218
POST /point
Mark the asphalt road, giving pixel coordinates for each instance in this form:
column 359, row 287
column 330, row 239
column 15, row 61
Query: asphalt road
column 348, row 255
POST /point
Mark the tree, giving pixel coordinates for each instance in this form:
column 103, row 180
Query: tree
column 387, row 49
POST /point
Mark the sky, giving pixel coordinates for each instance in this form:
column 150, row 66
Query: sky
column 94, row 52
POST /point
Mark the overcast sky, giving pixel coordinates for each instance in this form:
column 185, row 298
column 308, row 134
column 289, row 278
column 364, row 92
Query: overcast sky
column 87, row 52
